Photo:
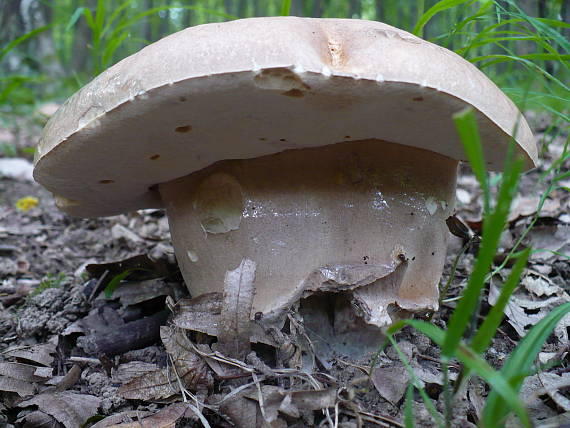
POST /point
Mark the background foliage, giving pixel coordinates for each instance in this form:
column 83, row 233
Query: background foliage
column 48, row 49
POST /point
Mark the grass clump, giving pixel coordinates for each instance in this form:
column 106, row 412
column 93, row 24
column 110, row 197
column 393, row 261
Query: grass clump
column 49, row 281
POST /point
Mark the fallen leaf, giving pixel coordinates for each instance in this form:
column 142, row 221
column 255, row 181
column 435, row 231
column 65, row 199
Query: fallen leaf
column 20, row 387
column 126, row 372
column 234, row 328
column 391, row 382
column 38, row 419
column 39, row 354
column 203, row 314
column 190, row 367
column 165, row 418
column 134, row 292
column 69, row 408
column 151, row 386
column 121, row 418
column 25, row 372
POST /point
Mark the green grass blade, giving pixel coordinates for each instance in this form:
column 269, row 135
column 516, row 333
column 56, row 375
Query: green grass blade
column 434, row 10
column 416, row 382
column 24, row 37
column 466, row 125
column 116, row 281
column 475, row 363
column 520, row 362
column 285, row 8
column 74, row 18
column 493, row 320
column 409, row 407
column 493, row 224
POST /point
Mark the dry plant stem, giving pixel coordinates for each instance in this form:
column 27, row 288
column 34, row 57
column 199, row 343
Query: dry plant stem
column 358, row 203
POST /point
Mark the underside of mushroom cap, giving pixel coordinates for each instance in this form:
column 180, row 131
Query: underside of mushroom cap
column 255, row 87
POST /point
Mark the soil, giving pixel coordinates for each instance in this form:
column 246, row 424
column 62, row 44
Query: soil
column 48, row 297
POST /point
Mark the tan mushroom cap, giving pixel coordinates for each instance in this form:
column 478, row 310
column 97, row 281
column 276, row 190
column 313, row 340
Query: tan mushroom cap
column 259, row 86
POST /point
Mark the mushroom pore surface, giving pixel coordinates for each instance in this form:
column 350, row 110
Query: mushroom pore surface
column 363, row 206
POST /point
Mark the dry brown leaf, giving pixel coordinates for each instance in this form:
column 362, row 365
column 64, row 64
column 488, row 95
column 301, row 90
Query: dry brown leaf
column 151, row 386
column 39, row 354
column 159, row 384
column 391, row 381
column 190, row 367
column 553, row 383
column 292, row 403
column 234, row 329
column 69, row 379
column 69, row 408
column 165, row 418
column 241, row 411
column 121, row 418
column 522, row 312
column 203, row 314
column 524, row 206
column 25, row 372
column 131, row 293
column 37, row 419
column 20, row 387
column 550, row 238
column 128, row 371
column 200, row 314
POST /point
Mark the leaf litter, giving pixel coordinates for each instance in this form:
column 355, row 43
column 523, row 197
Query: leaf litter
column 216, row 363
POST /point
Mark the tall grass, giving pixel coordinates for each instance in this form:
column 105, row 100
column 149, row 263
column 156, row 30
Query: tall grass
column 506, row 383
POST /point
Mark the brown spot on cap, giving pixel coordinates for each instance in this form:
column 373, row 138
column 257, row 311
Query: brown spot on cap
column 418, row 99
column 294, row 93
column 182, row 99
column 185, row 128
column 106, row 181
column 154, row 157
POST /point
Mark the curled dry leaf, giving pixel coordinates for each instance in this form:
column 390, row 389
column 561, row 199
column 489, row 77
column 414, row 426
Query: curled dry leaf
column 292, row 403
column 151, row 386
column 38, row 354
column 132, row 293
column 391, row 381
column 234, row 331
column 20, row 387
column 128, row 371
column 190, row 368
column 37, row 418
column 165, row 418
column 203, row 314
column 523, row 312
column 68, row 408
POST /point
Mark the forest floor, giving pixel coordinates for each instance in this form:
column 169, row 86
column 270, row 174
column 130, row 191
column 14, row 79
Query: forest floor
column 69, row 352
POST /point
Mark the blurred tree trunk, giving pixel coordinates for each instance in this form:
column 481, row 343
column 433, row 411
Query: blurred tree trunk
column 354, row 9
column 229, row 6
column 36, row 14
column 242, row 8
column 297, row 8
column 190, row 14
column 258, row 10
column 378, row 9
column 317, row 9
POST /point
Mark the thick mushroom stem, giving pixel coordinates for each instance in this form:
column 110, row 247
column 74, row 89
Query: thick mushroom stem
column 366, row 205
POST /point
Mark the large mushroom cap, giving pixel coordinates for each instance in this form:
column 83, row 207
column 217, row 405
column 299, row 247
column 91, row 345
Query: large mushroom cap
column 259, row 86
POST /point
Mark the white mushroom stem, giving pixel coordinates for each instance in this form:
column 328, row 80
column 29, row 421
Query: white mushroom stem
column 357, row 205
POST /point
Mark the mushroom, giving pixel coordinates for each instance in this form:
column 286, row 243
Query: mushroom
column 321, row 149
